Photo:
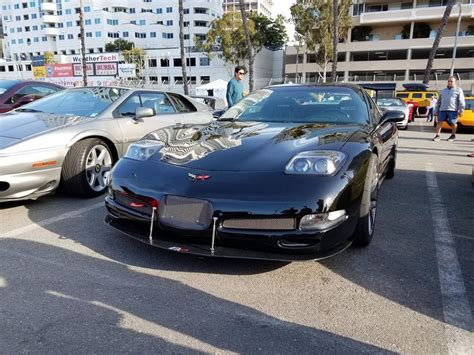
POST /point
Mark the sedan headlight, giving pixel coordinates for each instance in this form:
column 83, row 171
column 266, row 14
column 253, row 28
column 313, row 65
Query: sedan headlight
column 316, row 163
column 142, row 150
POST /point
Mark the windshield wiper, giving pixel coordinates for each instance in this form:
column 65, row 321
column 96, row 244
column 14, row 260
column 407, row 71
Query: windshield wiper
column 27, row 110
column 226, row 119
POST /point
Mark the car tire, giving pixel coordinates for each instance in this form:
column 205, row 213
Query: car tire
column 390, row 173
column 368, row 207
column 86, row 168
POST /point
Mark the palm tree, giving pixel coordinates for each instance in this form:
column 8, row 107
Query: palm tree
column 249, row 44
column 335, row 39
column 181, row 46
column 439, row 35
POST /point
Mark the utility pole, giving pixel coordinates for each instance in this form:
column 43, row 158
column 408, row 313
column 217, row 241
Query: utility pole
column 83, row 44
column 451, row 72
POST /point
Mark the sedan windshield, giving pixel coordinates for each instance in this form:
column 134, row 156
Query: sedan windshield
column 86, row 102
column 390, row 102
column 302, row 104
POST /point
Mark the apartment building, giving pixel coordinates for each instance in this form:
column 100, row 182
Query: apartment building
column 263, row 7
column 391, row 40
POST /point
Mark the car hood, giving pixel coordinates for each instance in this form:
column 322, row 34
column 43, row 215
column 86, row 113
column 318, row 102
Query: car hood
column 18, row 126
column 248, row 146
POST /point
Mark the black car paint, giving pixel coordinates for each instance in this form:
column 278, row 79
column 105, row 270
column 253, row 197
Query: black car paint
column 249, row 180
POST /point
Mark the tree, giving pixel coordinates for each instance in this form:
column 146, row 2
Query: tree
column 181, row 46
column 49, row 58
column 135, row 56
column 439, row 35
column 248, row 43
column 313, row 20
column 335, row 39
column 226, row 37
column 119, row 45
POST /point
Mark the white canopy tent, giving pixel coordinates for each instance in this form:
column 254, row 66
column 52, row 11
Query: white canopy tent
column 218, row 87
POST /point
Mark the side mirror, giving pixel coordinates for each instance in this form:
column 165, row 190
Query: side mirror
column 142, row 112
column 392, row 116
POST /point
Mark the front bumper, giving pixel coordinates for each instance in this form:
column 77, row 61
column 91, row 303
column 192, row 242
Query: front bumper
column 287, row 245
column 30, row 175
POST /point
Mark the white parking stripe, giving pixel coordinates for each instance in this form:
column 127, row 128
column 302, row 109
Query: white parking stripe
column 30, row 227
column 457, row 311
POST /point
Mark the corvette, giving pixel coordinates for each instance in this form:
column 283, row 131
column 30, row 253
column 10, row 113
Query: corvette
column 291, row 172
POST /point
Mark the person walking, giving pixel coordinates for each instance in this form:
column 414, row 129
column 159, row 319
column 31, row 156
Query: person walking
column 431, row 108
column 450, row 105
column 235, row 90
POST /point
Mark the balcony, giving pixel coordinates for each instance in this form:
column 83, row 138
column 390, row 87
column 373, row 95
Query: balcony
column 48, row 7
column 418, row 14
column 50, row 19
column 51, row 31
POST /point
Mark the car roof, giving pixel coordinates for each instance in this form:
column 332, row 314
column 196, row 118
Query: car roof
column 314, row 85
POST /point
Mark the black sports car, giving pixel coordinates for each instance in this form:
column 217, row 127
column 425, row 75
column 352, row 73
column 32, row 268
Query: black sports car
column 289, row 173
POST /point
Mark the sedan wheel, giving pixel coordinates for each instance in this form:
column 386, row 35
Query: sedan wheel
column 368, row 209
column 86, row 168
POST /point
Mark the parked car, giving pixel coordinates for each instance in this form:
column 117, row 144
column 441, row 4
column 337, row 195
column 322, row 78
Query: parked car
column 282, row 175
column 16, row 93
column 74, row 137
column 467, row 118
column 396, row 104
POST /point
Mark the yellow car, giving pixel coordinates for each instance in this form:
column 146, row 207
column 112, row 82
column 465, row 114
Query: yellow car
column 467, row 118
column 419, row 99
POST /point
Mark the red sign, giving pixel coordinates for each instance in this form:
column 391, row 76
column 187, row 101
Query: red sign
column 78, row 69
column 58, row 70
column 105, row 69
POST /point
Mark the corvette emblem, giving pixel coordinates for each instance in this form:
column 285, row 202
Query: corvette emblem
column 194, row 177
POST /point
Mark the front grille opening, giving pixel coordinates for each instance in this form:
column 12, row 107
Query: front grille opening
column 297, row 244
column 4, row 186
column 269, row 224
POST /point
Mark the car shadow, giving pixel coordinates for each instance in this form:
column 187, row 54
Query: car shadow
column 400, row 265
column 105, row 307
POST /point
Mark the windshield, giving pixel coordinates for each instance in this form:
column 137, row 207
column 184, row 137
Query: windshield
column 6, row 84
column 389, row 102
column 470, row 104
column 301, row 104
column 86, row 102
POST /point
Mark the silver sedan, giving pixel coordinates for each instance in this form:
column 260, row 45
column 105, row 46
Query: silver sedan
column 395, row 104
column 72, row 139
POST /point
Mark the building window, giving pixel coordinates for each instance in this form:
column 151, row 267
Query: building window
column 132, row 10
column 98, row 34
column 142, row 23
column 125, row 34
column 166, row 35
column 177, row 62
column 68, row 11
column 186, row 11
column 112, row 35
column 169, row 10
column 191, row 62
column 204, row 61
column 152, row 63
column 61, row 38
column 88, row 22
column 159, row 11
column 70, row 36
column 88, row 34
column 153, row 34
column 97, row 21
column 87, row 9
column 33, row 16
column 69, row 24
column 169, row 23
column 140, row 35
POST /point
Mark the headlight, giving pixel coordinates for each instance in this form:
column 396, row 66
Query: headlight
column 142, row 150
column 322, row 221
column 316, row 163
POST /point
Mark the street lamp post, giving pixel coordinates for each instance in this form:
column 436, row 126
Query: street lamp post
column 83, row 44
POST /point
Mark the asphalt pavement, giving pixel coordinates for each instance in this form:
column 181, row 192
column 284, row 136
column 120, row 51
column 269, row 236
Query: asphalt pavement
column 70, row 284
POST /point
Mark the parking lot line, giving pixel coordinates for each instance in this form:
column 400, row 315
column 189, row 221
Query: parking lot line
column 457, row 311
column 30, row 227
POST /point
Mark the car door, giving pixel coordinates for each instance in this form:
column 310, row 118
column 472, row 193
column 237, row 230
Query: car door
column 384, row 135
column 189, row 111
column 165, row 114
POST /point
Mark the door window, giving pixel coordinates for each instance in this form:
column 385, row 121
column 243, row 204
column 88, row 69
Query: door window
column 158, row 101
column 182, row 105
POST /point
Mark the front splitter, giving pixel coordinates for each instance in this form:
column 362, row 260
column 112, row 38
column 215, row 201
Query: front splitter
column 170, row 243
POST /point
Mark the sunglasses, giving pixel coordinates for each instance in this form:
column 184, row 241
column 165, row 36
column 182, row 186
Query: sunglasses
column 241, row 73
